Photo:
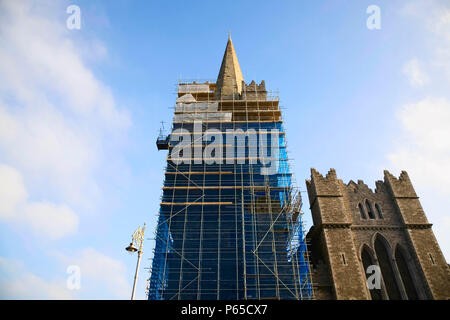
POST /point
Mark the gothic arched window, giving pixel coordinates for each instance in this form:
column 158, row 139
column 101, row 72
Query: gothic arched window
column 405, row 273
column 368, row 260
column 386, row 266
column 361, row 211
column 369, row 210
column 380, row 213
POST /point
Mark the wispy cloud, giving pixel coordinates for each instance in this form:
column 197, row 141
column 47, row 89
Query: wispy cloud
column 12, row 191
column 46, row 220
column 416, row 74
column 97, row 269
column 422, row 147
column 18, row 283
column 55, row 115
column 422, row 144
column 434, row 18
column 60, row 129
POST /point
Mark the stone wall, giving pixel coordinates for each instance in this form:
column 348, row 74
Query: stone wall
column 340, row 232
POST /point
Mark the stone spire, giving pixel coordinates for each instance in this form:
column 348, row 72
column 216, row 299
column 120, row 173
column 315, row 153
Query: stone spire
column 229, row 80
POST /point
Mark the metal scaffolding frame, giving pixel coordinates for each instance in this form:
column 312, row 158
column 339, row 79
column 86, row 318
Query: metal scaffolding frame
column 224, row 230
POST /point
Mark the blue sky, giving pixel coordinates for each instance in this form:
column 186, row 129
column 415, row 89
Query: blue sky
column 80, row 111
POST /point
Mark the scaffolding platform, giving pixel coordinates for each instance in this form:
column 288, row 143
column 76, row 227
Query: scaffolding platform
column 162, row 142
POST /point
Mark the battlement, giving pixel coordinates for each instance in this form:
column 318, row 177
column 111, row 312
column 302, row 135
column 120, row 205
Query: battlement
column 252, row 86
column 323, row 186
column 399, row 190
column 254, row 91
column 359, row 186
column 315, row 175
column 401, row 187
column 341, row 228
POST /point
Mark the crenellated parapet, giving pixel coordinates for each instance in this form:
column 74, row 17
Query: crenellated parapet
column 401, row 187
column 326, row 199
column 254, row 91
column 392, row 211
column 380, row 186
column 360, row 186
column 406, row 199
column 319, row 185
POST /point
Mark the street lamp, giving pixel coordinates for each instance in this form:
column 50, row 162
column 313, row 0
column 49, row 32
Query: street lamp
column 137, row 243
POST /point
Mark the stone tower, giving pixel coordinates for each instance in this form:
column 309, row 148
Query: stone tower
column 356, row 228
column 227, row 230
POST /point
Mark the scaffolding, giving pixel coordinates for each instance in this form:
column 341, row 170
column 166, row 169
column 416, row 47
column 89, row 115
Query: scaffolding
column 224, row 230
column 162, row 142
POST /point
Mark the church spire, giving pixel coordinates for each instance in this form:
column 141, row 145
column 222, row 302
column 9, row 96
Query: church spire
column 229, row 80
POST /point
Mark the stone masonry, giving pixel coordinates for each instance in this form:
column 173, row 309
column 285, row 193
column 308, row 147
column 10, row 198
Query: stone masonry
column 388, row 225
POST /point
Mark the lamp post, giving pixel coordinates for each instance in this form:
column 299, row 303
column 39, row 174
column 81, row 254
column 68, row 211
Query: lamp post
column 137, row 243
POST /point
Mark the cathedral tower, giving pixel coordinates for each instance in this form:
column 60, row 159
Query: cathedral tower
column 355, row 228
column 229, row 224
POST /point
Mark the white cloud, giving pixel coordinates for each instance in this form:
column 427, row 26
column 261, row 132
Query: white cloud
column 53, row 221
column 98, row 269
column 416, row 75
column 16, row 283
column 433, row 16
column 423, row 149
column 12, row 191
column 38, row 54
column 426, row 137
column 60, row 130
column 47, row 148
column 45, row 219
column 424, row 143
column 58, row 122
column 421, row 146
